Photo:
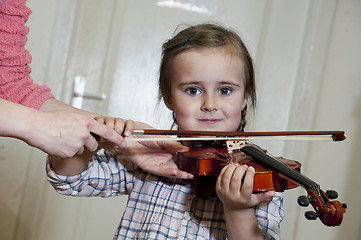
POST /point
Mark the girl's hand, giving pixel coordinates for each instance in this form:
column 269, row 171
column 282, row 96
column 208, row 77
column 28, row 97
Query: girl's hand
column 121, row 126
column 154, row 156
column 234, row 187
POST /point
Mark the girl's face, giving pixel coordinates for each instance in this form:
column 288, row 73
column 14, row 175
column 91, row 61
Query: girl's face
column 207, row 90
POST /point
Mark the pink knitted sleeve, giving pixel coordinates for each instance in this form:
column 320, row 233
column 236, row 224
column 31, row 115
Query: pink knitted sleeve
column 15, row 82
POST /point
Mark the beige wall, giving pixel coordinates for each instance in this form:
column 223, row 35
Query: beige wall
column 308, row 77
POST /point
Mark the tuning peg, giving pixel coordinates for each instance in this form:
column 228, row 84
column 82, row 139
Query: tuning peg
column 344, row 205
column 331, row 194
column 304, row 201
column 310, row 215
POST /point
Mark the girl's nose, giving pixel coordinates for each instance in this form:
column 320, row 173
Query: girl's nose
column 209, row 104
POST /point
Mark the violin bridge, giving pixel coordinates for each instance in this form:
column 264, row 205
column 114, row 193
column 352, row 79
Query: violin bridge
column 234, row 145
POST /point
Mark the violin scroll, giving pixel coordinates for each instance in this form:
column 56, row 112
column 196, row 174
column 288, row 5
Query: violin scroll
column 329, row 212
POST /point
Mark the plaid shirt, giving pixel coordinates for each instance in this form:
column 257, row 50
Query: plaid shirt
column 159, row 208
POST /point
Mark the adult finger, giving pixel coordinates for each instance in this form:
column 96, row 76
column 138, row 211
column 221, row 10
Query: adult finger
column 80, row 151
column 91, row 143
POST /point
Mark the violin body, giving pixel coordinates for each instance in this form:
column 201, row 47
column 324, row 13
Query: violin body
column 206, row 162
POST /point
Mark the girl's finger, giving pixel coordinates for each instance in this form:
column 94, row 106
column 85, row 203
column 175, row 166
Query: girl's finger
column 237, row 179
column 110, row 122
column 100, row 119
column 119, row 125
column 247, row 186
column 224, row 178
column 129, row 128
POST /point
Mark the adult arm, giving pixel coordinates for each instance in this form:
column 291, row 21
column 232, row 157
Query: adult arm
column 57, row 129
column 60, row 133
column 16, row 84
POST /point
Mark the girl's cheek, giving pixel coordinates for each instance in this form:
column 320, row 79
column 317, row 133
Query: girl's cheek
column 234, row 115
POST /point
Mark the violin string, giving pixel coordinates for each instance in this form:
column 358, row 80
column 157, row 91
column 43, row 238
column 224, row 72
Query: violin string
column 314, row 186
column 268, row 153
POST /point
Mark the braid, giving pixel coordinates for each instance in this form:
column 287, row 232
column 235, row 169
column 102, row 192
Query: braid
column 174, row 124
column 243, row 119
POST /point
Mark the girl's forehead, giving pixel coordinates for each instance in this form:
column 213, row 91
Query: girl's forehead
column 211, row 64
column 199, row 55
column 226, row 49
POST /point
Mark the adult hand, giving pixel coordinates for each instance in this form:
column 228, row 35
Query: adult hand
column 65, row 133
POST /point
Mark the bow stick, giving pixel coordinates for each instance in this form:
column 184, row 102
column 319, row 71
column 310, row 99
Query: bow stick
column 223, row 135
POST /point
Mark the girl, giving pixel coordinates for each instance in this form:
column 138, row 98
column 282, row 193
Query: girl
column 207, row 80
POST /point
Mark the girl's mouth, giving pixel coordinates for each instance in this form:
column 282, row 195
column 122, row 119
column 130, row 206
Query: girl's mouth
column 210, row 121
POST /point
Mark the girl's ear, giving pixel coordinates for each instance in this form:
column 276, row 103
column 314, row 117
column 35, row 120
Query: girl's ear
column 244, row 102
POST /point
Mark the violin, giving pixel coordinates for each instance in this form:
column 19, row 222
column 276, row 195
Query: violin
column 206, row 162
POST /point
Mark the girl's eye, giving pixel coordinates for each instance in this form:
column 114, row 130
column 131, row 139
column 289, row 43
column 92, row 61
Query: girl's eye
column 225, row 91
column 193, row 91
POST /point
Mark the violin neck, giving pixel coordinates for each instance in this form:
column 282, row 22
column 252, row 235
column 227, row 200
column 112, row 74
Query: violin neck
column 274, row 164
